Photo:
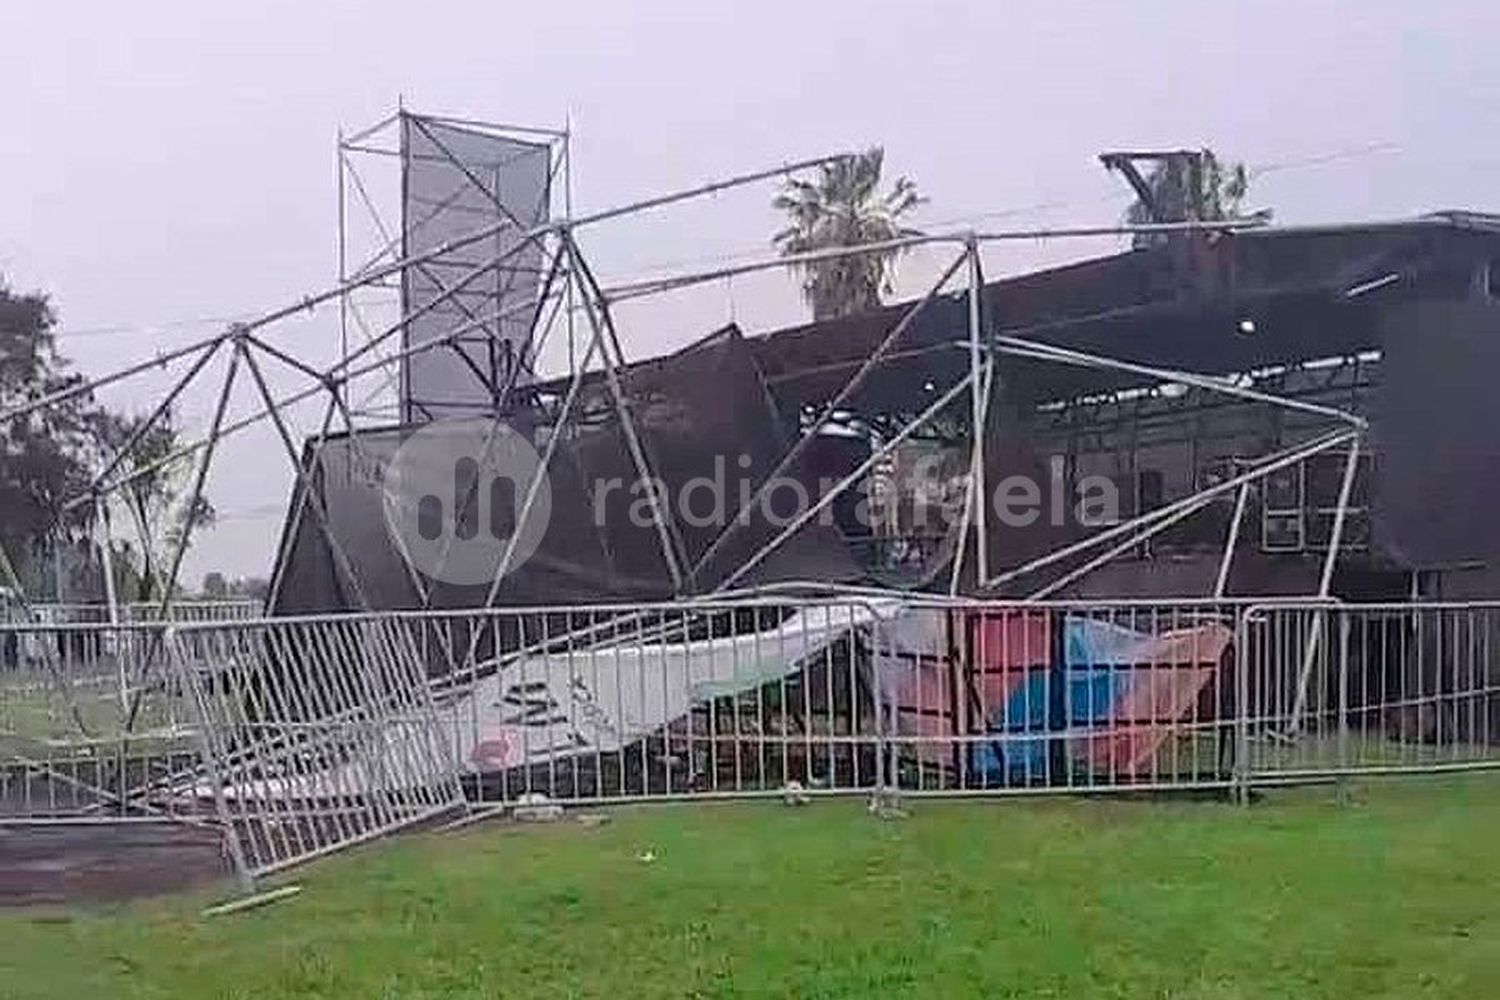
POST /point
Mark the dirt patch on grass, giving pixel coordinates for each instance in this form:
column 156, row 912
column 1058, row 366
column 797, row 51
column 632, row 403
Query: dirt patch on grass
column 67, row 865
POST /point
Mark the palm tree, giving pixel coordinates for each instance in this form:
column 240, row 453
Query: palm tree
column 1191, row 187
column 843, row 208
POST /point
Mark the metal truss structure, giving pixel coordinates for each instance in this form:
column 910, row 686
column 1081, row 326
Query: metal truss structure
column 570, row 303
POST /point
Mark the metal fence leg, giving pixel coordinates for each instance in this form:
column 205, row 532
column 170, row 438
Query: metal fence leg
column 188, row 681
column 1344, row 762
column 877, row 690
column 1242, row 709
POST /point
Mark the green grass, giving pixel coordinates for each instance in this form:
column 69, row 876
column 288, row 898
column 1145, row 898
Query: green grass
column 1393, row 893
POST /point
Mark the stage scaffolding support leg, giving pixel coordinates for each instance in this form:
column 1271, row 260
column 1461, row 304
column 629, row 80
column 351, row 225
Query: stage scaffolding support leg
column 831, row 408
column 104, row 541
column 195, row 496
column 973, row 490
column 533, row 488
column 1325, row 587
column 200, row 480
column 1161, row 524
column 527, row 351
column 304, row 481
column 302, row 474
column 859, row 473
column 1221, row 581
column 596, row 308
column 1134, row 526
column 978, row 388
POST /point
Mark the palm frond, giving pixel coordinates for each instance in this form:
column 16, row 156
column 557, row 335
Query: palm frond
column 843, row 208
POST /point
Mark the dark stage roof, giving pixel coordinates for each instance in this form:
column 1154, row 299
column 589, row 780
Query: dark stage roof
column 1308, row 291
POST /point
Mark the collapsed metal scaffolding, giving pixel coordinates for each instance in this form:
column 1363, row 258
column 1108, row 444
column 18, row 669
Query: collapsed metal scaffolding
column 569, row 298
column 292, row 711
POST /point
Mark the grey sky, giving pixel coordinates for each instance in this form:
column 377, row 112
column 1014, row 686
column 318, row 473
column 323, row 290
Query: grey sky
column 173, row 162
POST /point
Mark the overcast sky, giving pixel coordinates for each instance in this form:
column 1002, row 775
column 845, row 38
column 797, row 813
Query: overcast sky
column 168, row 165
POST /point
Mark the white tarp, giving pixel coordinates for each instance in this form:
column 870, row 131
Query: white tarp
column 605, row 697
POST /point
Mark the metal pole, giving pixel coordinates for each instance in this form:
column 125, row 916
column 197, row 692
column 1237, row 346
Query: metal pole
column 294, row 521
column 853, row 477
column 87, row 388
column 969, row 494
column 1062, row 355
column 1325, row 584
column 1271, row 464
column 298, row 396
column 1144, row 229
column 139, row 431
column 977, row 414
column 462, row 505
column 112, row 602
column 1336, row 536
column 600, row 322
column 200, row 479
column 567, row 146
column 1162, row 524
column 338, row 170
column 653, row 286
column 334, row 547
column 1221, row 582
column 208, row 735
column 856, row 381
column 379, row 126
column 533, row 488
column 696, row 192
column 1242, row 708
column 635, row 289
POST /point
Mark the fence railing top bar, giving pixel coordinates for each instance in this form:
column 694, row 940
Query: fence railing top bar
column 152, row 606
column 515, row 611
column 1087, row 603
column 875, row 604
column 1376, row 607
column 32, row 628
column 810, row 590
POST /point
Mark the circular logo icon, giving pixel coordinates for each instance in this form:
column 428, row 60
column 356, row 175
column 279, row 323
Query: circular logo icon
column 455, row 497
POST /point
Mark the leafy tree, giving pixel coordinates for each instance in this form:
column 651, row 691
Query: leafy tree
column 254, row 587
column 44, row 455
column 215, row 587
column 46, row 459
column 844, row 208
column 156, row 496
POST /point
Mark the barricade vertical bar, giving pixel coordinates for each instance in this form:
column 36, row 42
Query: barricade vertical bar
column 1242, row 668
column 1343, row 690
column 206, row 733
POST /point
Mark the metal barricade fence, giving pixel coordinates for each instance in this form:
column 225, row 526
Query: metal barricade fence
column 695, row 699
column 850, row 695
column 301, row 735
column 129, row 613
column 1352, row 689
column 315, row 734
column 1001, row 698
column 93, row 726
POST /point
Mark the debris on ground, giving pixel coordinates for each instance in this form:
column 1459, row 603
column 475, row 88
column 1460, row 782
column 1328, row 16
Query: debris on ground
column 534, row 807
column 253, row 902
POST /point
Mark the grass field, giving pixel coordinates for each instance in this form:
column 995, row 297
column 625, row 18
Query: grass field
column 1395, row 892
